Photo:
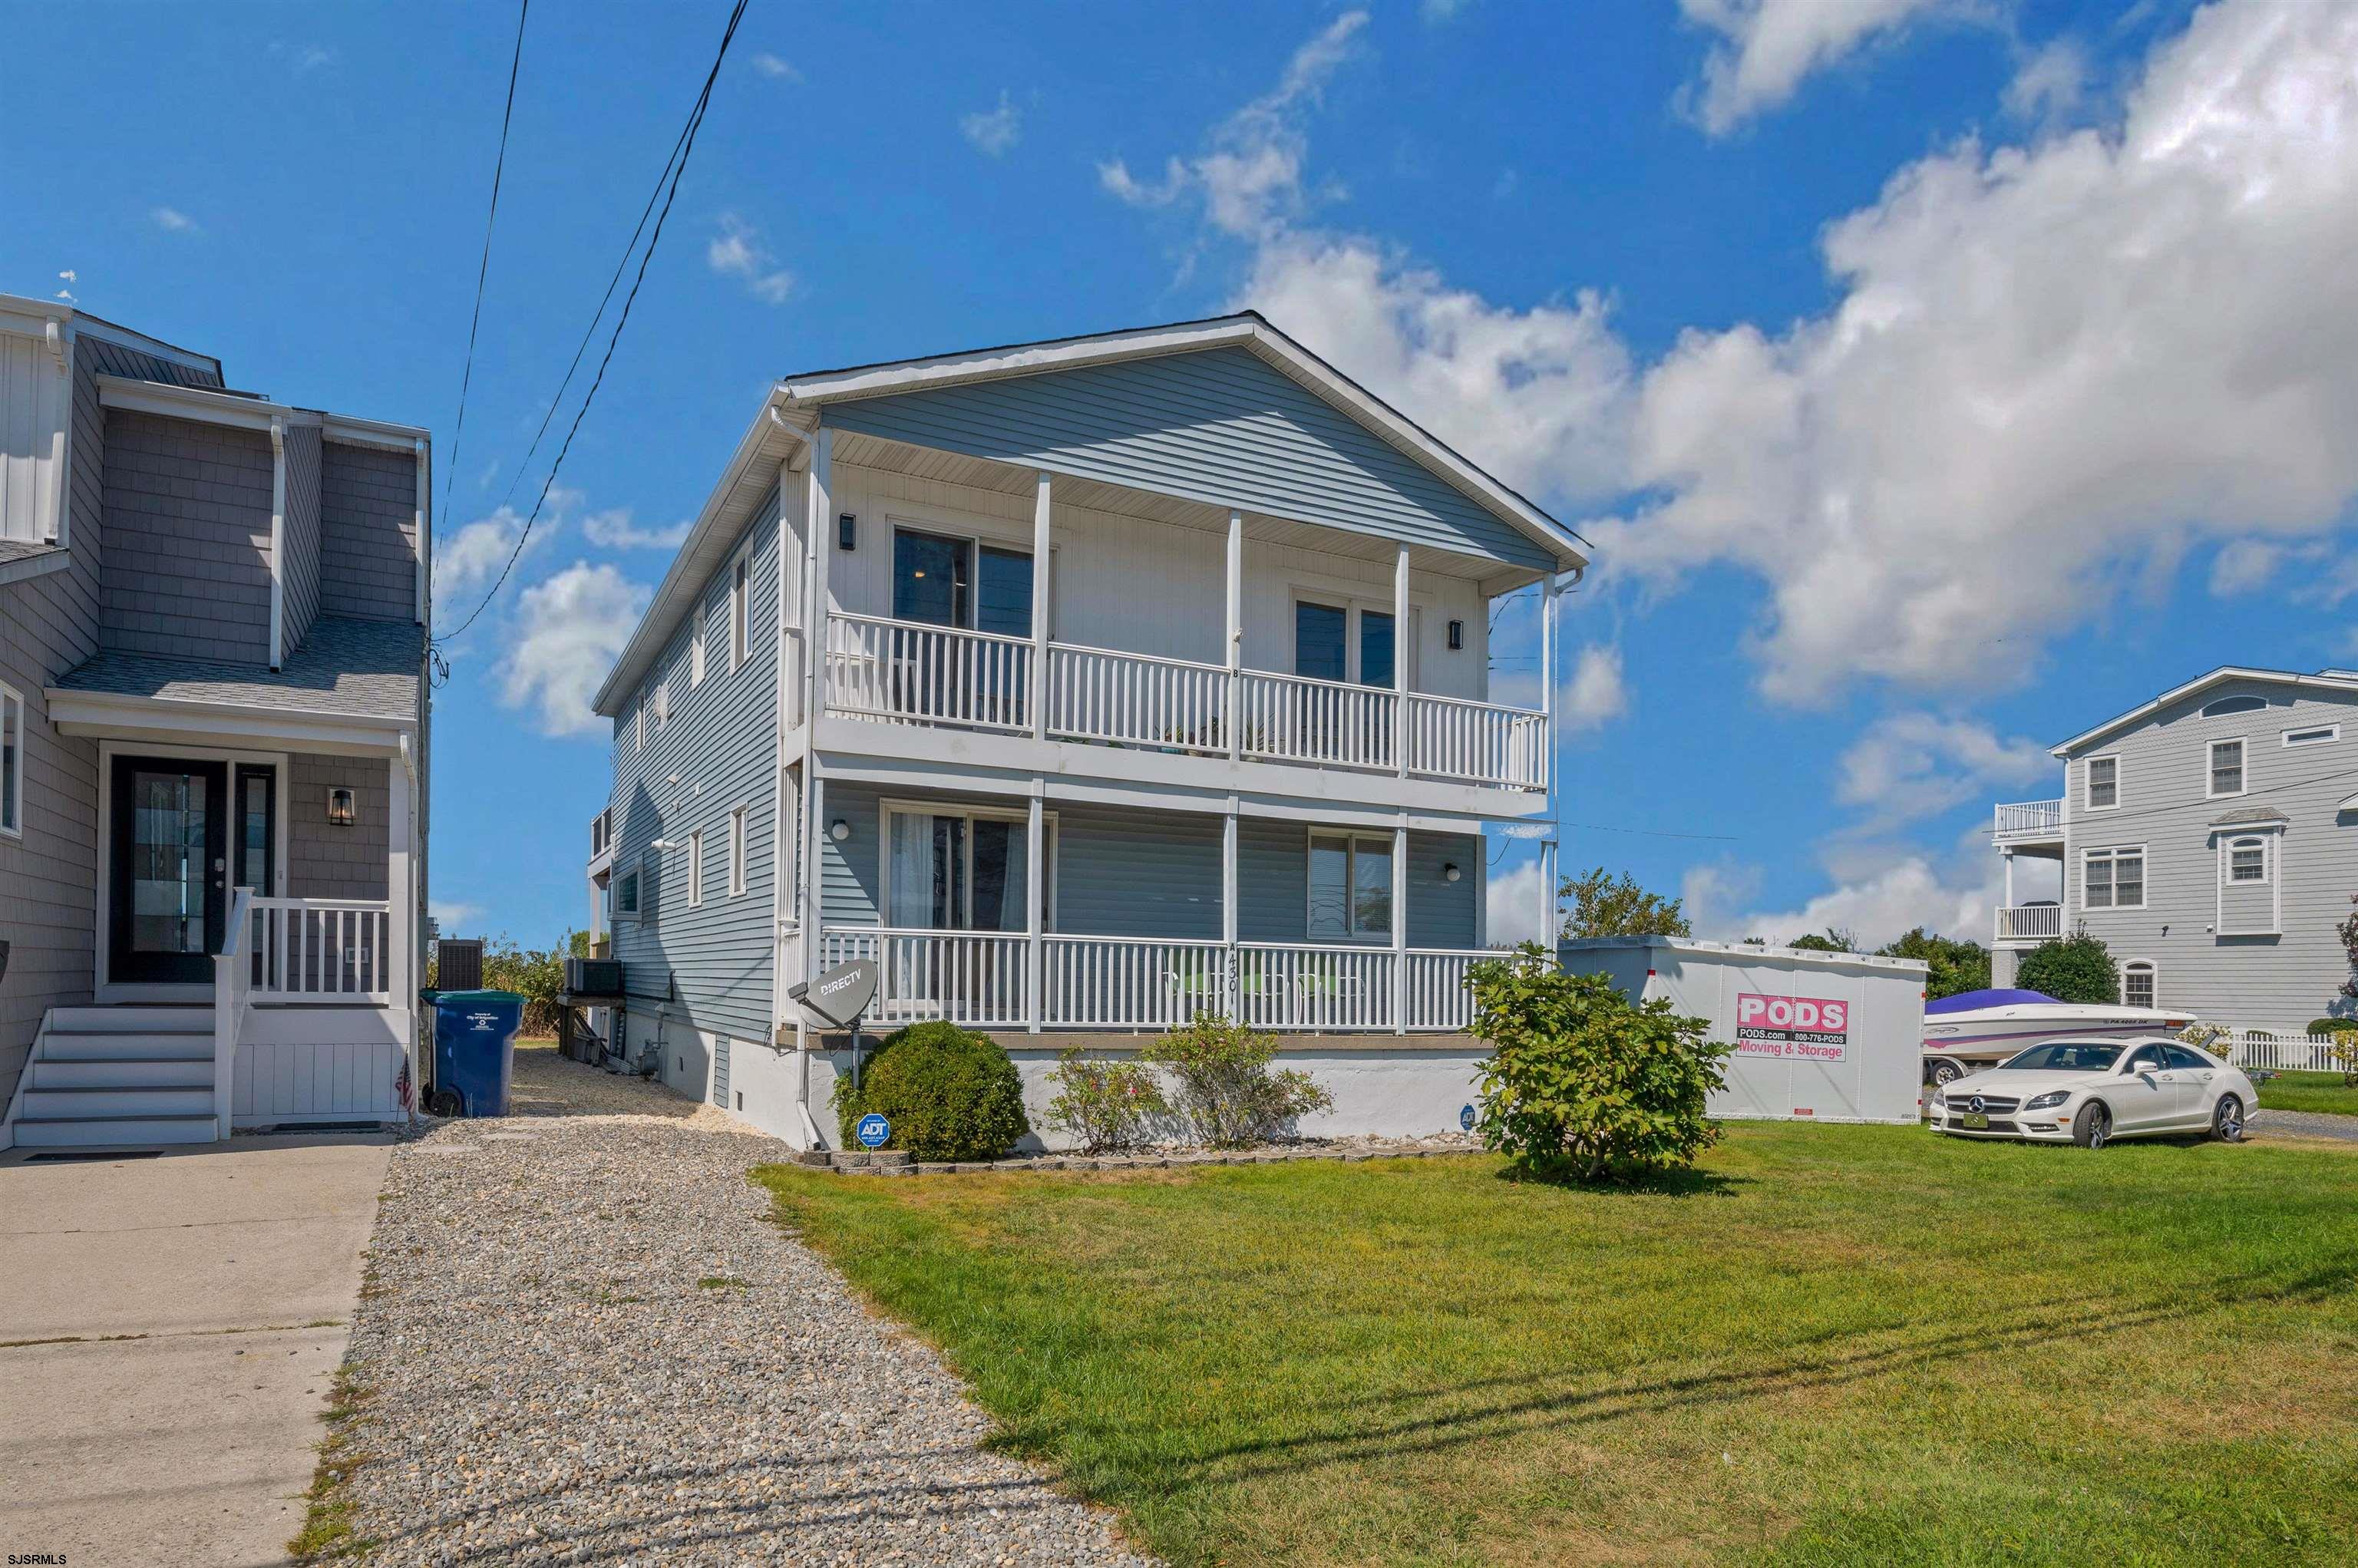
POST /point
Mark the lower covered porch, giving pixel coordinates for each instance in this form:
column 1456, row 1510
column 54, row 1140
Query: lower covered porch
column 1293, row 922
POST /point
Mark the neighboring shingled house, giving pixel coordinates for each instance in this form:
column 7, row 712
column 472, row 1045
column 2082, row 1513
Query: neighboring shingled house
column 213, row 740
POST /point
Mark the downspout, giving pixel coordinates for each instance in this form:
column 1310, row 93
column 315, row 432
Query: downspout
column 277, row 541
column 781, row 888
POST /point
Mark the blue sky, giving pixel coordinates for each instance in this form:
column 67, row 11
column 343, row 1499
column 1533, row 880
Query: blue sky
column 1936, row 378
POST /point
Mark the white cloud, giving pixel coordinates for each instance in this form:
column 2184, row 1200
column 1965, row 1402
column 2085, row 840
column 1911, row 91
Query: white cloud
column 172, row 221
column 1878, row 900
column 2049, row 369
column 615, row 530
column 1437, row 12
column 2246, row 566
column 467, row 562
column 994, row 130
column 2049, row 83
column 1596, row 694
column 1766, row 47
column 775, row 68
column 737, row 252
column 567, row 632
column 1511, row 903
column 1249, row 175
column 302, row 58
column 451, row 916
column 1912, row 765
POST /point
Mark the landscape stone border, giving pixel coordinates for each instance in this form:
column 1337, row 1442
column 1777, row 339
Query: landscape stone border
column 897, row 1162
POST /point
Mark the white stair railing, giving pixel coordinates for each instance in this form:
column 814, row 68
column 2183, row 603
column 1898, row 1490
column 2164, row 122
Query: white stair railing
column 322, row 949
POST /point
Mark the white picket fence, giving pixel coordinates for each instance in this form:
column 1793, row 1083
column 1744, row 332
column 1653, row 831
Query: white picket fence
column 2280, row 1053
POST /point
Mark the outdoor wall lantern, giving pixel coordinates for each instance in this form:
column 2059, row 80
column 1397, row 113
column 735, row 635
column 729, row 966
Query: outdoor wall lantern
column 847, row 532
column 342, row 811
column 1450, row 874
column 839, row 829
column 1457, row 635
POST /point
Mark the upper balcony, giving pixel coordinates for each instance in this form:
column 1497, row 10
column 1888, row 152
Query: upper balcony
column 2027, row 822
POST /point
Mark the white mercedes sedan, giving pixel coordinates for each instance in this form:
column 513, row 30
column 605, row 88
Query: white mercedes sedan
column 2093, row 1091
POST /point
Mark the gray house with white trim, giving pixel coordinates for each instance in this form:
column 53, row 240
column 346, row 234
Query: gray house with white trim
column 2210, row 837
column 214, row 745
column 1084, row 685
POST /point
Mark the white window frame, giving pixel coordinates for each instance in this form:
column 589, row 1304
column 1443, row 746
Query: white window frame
column 12, row 786
column 696, row 642
column 637, row 877
column 2152, row 973
column 2311, row 735
column 1405, row 639
column 2271, row 843
column 737, row 852
column 741, row 611
column 663, row 704
column 2112, row 854
column 639, row 726
column 2088, row 782
column 889, row 809
column 2252, row 843
column 2210, row 767
column 696, row 869
column 1354, row 836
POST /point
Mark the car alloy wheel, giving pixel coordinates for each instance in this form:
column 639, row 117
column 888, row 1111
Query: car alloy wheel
column 2227, row 1122
column 1945, row 1073
column 2092, row 1128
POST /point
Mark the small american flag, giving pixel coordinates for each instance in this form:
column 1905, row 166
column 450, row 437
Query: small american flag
column 402, row 1087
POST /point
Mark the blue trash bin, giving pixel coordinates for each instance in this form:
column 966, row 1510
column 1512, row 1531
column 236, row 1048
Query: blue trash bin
column 474, row 1051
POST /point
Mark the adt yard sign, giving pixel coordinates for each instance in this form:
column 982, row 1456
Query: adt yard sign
column 1465, row 1119
column 872, row 1131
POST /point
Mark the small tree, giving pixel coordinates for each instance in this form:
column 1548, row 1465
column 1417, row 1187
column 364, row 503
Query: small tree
column 1954, row 965
column 1222, row 1085
column 1582, row 1083
column 1837, row 939
column 1606, row 906
column 2078, row 968
column 1104, row 1105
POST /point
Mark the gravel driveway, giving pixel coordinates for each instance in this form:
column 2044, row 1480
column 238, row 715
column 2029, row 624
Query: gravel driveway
column 2304, row 1124
column 584, row 1341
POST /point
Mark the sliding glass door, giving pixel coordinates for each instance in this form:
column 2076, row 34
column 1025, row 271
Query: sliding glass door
column 942, row 580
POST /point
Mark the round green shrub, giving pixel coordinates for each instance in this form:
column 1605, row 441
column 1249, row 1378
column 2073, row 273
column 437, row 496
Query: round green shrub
column 949, row 1094
column 2078, row 968
column 2333, row 1026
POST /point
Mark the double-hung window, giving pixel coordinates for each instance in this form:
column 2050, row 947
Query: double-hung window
column 737, row 853
column 2137, row 989
column 2103, row 783
column 1350, row 887
column 12, row 763
column 626, row 895
column 741, row 612
column 2114, row 879
column 2226, row 768
column 696, row 647
column 695, row 869
column 2247, row 860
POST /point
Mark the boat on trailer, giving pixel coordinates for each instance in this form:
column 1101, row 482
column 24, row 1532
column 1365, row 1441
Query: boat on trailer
column 1973, row 1029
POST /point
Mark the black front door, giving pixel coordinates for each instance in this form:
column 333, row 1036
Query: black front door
column 169, row 849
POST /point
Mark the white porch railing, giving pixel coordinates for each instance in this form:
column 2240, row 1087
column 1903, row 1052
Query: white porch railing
column 321, row 950
column 1096, row 694
column 2284, row 1052
column 2029, row 816
column 1296, row 720
column 1152, row 983
column 2029, row 922
column 1483, row 742
column 910, row 672
column 977, row 978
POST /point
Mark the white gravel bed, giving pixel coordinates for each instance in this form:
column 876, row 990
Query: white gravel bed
column 590, row 1344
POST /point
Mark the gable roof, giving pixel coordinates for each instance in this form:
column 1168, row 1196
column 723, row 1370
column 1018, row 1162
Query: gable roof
column 796, row 405
column 2331, row 680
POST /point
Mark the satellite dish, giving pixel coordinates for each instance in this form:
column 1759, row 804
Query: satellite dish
column 840, row 995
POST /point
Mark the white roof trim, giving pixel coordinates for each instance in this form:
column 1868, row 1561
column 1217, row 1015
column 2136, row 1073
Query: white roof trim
column 66, row 315
column 2224, row 674
column 355, row 432
column 78, row 711
column 1247, row 330
column 192, row 402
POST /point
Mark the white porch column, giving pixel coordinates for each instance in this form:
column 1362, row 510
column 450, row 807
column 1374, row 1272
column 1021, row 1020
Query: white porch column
column 401, row 909
column 819, row 516
column 2007, row 858
column 1400, row 665
column 1235, row 647
column 1400, row 917
column 1041, row 587
column 1229, row 905
column 1034, row 877
column 1548, row 762
column 813, row 859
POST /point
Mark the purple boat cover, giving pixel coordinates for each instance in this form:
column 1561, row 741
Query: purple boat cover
column 1967, row 1001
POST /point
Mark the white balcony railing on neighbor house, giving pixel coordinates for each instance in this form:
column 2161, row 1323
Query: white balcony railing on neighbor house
column 932, row 674
column 983, row 979
column 910, row 672
column 321, row 950
column 2029, row 922
column 2030, row 817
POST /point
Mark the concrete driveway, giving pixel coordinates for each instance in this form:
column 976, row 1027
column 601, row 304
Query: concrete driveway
column 168, row 1328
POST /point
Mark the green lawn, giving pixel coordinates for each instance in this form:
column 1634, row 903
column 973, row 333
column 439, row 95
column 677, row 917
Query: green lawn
column 1839, row 1345
column 2309, row 1091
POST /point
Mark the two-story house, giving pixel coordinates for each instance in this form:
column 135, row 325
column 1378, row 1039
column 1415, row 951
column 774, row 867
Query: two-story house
column 213, row 728
column 2210, row 837
column 1084, row 685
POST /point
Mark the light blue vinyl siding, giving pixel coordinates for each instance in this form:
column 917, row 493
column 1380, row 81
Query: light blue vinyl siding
column 1217, row 426
column 720, row 742
column 1136, row 871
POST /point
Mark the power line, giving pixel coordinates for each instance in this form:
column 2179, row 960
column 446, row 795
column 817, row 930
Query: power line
column 483, row 268
column 677, row 170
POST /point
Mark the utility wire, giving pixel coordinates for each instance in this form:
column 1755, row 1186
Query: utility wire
column 677, row 170
column 483, row 268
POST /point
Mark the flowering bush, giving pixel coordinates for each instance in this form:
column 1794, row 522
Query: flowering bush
column 1223, row 1083
column 1105, row 1104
